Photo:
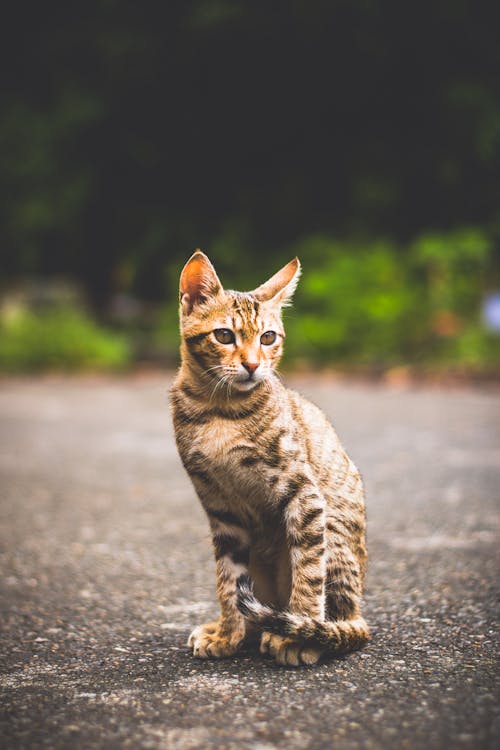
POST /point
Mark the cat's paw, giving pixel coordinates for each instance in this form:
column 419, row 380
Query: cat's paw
column 288, row 651
column 208, row 642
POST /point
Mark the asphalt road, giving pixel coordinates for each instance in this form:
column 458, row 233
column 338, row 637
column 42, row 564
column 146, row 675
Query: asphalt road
column 106, row 566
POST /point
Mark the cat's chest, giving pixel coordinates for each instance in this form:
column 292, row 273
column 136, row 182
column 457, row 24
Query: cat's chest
column 217, row 439
column 220, row 450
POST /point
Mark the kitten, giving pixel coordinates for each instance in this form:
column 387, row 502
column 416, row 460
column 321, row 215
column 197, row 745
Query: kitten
column 284, row 501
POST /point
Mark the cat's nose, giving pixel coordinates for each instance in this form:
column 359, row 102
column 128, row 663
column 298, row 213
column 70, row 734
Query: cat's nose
column 250, row 367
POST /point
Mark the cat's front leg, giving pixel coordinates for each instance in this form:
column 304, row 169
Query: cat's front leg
column 231, row 547
column 304, row 519
column 303, row 509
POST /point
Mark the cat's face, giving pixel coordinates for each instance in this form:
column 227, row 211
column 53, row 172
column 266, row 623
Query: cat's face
column 233, row 339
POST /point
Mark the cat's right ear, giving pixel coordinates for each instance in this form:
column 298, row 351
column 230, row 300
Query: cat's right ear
column 280, row 287
column 198, row 282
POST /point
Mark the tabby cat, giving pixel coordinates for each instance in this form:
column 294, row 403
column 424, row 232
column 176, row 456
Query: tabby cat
column 283, row 499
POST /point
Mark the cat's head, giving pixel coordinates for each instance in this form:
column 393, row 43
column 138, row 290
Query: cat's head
column 234, row 339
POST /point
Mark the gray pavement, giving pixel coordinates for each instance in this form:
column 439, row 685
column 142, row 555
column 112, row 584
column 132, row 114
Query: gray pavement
column 106, row 566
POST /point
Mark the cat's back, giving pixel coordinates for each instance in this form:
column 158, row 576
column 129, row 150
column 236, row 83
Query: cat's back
column 311, row 426
column 322, row 447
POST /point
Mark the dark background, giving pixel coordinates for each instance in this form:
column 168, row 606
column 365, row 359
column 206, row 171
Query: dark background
column 134, row 132
column 362, row 136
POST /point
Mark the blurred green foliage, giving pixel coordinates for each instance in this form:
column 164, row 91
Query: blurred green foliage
column 369, row 306
column 380, row 305
column 353, row 303
column 128, row 136
column 339, row 131
column 58, row 339
column 377, row 305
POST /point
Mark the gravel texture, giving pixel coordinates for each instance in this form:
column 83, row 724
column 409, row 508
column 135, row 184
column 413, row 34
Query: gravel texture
column 106, row 566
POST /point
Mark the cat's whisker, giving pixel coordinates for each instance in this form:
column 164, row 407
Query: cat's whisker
column 278, row 374
column 210, row 370
column 220, row 384
column 217, row 385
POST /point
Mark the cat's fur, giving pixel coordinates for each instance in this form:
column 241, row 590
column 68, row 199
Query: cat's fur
column 284, row 501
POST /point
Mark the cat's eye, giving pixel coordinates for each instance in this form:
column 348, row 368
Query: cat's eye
column 224, row 336
column 267, row 338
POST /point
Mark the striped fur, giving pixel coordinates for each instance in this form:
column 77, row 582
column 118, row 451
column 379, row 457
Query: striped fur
column 339, row 636
column 284, row 501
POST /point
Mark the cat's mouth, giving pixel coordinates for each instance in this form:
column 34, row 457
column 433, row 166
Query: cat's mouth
column 247, row 383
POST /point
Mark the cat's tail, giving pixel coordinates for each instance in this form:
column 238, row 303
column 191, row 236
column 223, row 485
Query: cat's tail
column 337, row 637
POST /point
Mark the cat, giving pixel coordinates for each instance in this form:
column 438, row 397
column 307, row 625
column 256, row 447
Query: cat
column 284, row 502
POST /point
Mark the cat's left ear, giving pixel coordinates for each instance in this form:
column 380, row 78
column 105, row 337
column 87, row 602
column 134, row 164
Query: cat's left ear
column 198, row 283
column 280, row 287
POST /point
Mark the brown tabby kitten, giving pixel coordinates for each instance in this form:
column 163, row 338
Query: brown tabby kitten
column 283, row 499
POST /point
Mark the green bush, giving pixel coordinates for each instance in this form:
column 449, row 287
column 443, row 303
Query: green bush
column 377, row 304
column 353, row 305
column 452, row 272
column 58, row 339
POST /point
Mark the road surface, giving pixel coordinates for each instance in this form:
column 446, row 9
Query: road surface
column 106, row 566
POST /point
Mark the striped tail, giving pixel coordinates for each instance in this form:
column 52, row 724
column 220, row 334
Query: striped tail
column 337, row 637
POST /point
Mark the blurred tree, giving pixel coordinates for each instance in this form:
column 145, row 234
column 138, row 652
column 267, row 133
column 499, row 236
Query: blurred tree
column 134, row 132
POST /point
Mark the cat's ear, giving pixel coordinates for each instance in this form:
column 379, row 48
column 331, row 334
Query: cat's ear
column 198, row 283
column 280, row 287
